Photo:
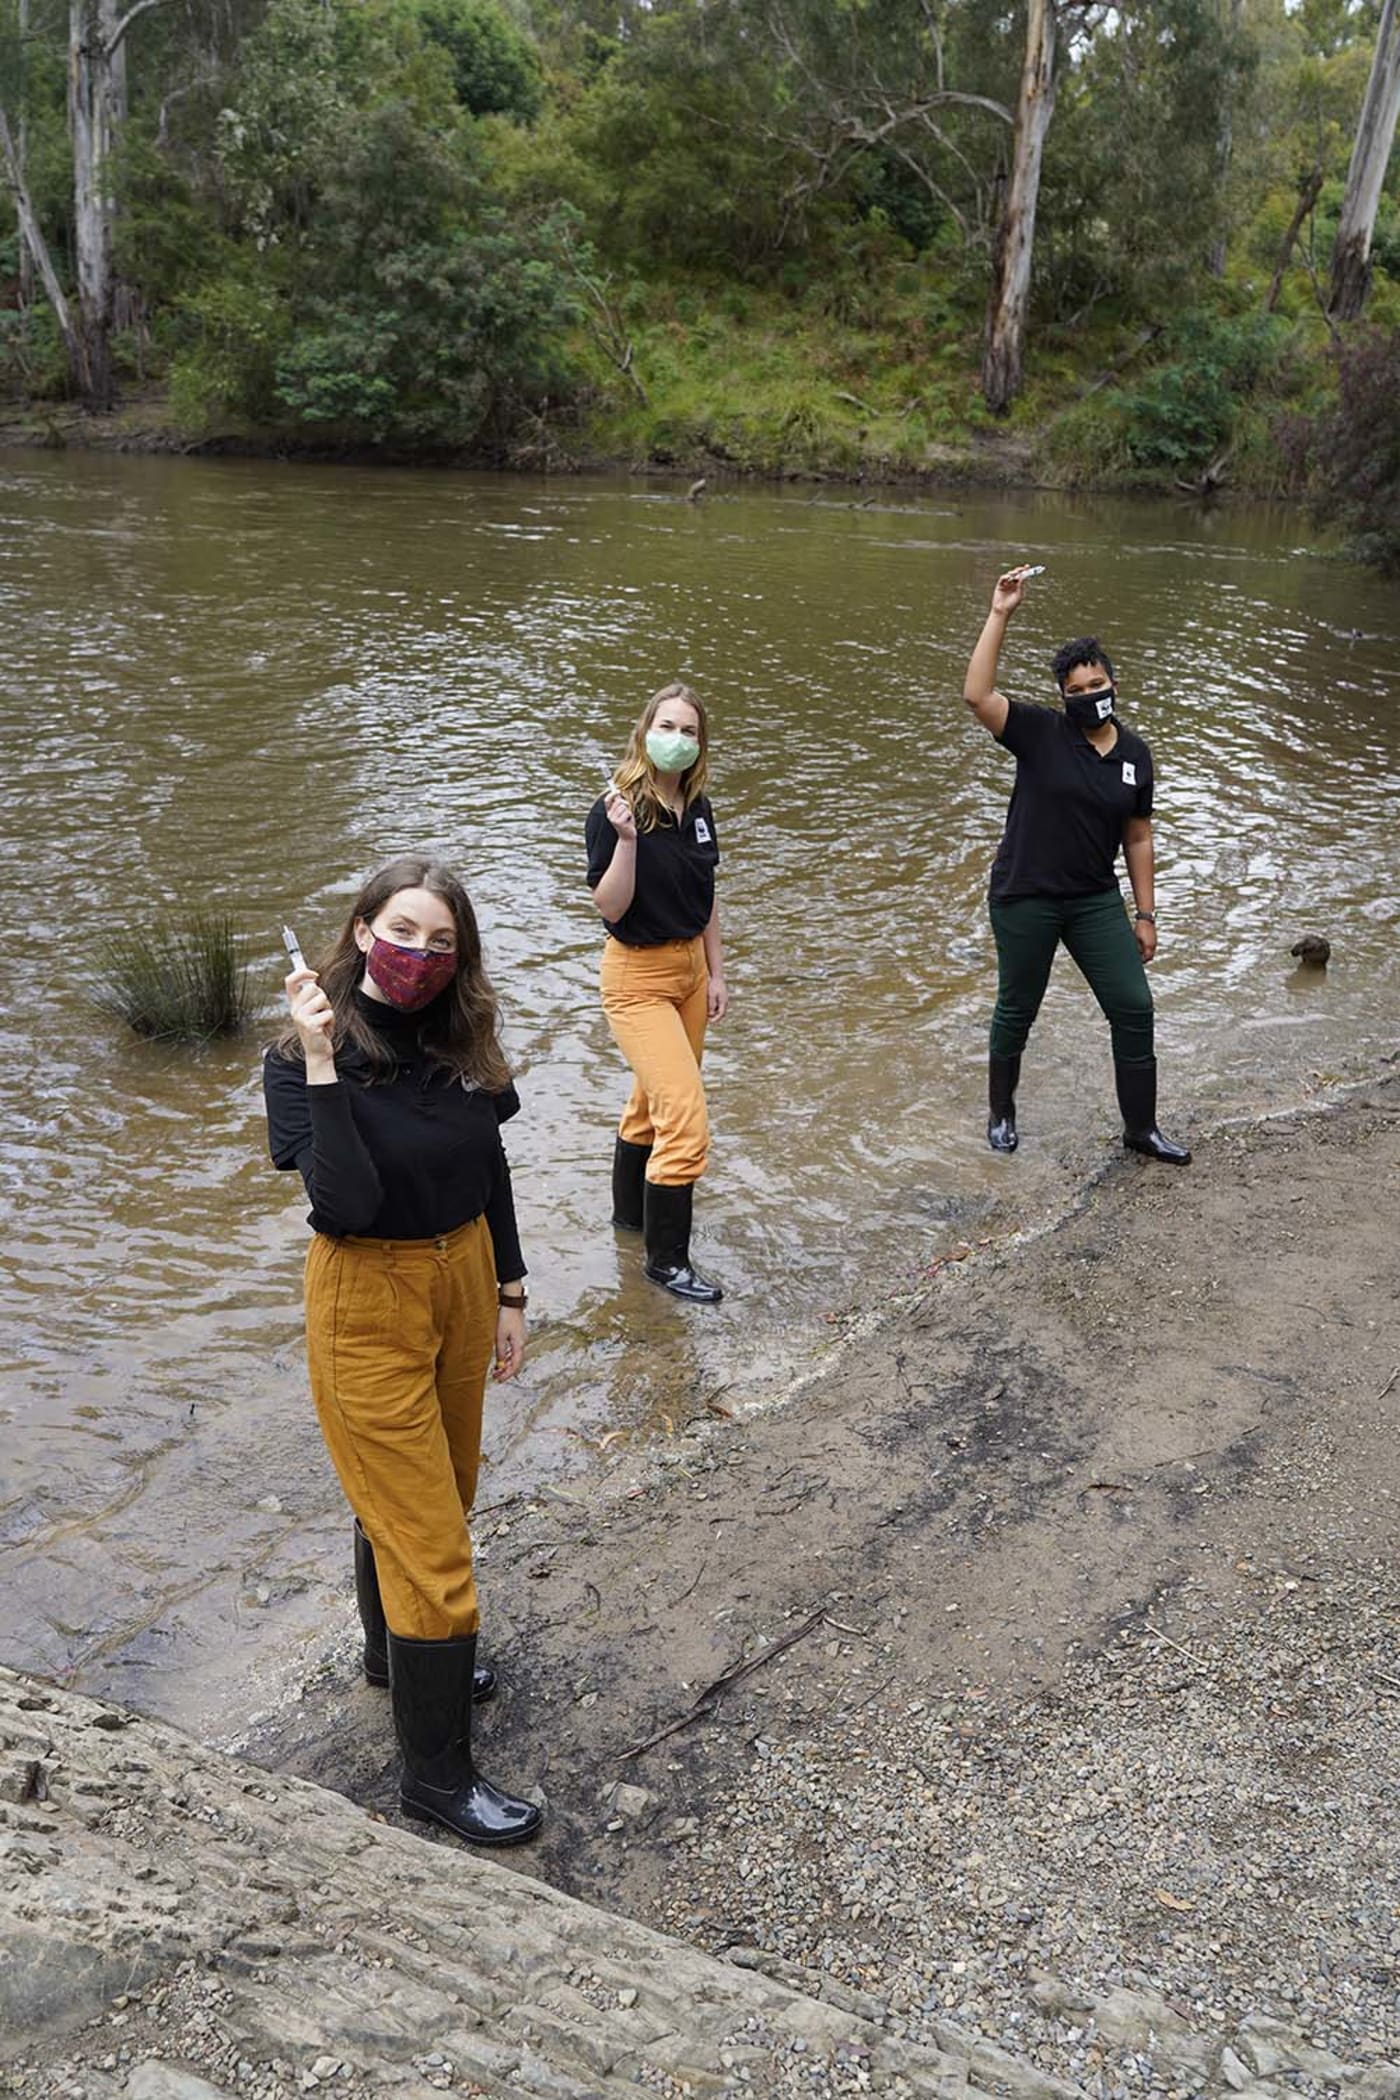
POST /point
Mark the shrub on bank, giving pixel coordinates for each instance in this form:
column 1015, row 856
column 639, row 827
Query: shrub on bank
column 1179, row 415
column 1354, row 450
column 183, row 983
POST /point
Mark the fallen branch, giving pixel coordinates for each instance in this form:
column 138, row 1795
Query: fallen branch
column 708, row 1700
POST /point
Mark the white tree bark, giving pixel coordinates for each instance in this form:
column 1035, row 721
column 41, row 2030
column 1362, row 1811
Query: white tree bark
column 26, row 258
column 1004, row 351
column 1370, row 156
column 96, row 109
column 37, row 247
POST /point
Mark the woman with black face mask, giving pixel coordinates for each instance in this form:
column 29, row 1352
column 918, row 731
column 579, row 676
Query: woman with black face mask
column 387, row 1093
column 1083, row 789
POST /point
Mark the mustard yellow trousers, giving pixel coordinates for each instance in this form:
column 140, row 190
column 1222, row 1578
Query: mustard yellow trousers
column 400, row 1336
column 656, row 1002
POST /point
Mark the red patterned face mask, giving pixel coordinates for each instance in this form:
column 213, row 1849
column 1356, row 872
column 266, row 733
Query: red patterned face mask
column 407, row 977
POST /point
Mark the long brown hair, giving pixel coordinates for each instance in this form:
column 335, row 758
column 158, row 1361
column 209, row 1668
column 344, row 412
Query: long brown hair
column 635, row 778
column 461, row 1028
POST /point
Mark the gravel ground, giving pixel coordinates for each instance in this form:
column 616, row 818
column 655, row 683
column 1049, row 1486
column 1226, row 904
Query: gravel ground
column 1087, row 1742
column 1208, row 1817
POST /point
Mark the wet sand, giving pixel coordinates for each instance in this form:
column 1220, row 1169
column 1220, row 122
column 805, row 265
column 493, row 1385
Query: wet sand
column 1153, row 1435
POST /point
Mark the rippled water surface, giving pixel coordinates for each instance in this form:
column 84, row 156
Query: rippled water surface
column 245, row 684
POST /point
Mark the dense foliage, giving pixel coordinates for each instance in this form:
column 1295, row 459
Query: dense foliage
column 756, row 230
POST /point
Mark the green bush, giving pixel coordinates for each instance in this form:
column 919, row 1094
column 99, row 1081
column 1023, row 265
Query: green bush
column 233, row 330
column 183, row 983
column 1182, row 413
column 33, row 360
column 494, row 69
column 1356, row 449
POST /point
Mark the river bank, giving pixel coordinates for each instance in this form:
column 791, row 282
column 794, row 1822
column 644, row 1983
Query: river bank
column 145, row 425
column 1010, row 1711
column 1033, row 1668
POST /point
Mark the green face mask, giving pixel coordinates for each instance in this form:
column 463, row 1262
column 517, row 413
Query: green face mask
column 670, row 751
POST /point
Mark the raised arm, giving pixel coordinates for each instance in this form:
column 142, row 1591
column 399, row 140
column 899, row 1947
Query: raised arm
column 980, row 684
column 310, row 1126
column 615, row 888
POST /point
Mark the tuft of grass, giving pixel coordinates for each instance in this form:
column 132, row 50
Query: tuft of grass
column 175, row 983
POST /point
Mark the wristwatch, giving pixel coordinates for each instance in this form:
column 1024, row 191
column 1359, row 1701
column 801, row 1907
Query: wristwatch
column 1150, row 916
column 513, row 1295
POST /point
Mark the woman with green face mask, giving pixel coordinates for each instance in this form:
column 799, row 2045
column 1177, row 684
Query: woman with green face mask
column 652, row 855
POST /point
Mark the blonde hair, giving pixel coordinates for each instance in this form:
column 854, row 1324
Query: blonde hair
column 635, row 778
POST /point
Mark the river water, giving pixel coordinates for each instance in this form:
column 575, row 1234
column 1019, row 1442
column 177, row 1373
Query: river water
column 244, row 684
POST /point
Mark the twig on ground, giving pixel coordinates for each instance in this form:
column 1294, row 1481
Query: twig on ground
column 692, row 1586
column 488, row 1508
column 1389, row 1383
column 1158, row 1635
column 708, row 1700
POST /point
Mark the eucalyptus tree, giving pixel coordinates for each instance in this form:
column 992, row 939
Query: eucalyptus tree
column 1370, row 156
column 98, row 32
column 1008, row 307
column 97, row 106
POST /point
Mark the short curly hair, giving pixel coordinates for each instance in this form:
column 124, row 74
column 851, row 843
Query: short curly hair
column 1070, row 655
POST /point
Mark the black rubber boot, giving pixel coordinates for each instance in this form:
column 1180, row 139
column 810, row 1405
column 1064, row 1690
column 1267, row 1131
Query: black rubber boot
column 668, row 1211
column 1003, row 1078
column 629, row 1182
column 430, row 1683
column 1137, row 1097
column 372, row 1619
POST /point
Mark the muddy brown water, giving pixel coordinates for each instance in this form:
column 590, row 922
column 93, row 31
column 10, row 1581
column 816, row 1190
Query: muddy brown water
column 244, row 684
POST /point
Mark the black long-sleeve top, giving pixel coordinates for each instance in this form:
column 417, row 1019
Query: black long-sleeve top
column 410, row 1156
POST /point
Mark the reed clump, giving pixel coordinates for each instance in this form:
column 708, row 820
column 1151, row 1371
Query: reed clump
column 175, row 983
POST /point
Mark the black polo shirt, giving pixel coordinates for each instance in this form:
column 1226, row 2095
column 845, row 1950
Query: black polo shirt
column 676, row 863
column 1064, row 825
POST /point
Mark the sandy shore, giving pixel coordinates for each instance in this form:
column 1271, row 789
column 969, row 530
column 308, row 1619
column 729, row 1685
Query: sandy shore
column 1037, row 1658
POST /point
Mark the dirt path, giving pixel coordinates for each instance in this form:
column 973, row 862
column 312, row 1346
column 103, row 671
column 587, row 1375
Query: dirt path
column 1105, row 1517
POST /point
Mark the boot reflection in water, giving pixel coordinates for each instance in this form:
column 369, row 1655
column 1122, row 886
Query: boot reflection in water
column 1083, row 793
column 387, row 1094
column 652, row 856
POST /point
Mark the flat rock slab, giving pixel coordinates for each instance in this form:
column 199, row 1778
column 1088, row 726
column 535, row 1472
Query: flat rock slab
column 180, row 1926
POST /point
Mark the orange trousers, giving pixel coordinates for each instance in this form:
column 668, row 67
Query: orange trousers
column 400, row 1335
column 656, row 1000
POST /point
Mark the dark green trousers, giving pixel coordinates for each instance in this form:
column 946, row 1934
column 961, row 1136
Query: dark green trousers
column 1097, row 934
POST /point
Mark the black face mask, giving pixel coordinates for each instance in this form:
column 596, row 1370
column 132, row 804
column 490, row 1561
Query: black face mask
column 1090, row 710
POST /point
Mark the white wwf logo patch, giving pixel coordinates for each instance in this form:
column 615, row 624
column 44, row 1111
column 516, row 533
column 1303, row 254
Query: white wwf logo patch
column 702, row 832
column 1129, row 773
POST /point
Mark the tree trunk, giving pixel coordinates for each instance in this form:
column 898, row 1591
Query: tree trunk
column 1370, row 154
column 1308, row 195
column 1003, row 355
column 93, row 121
column 1224, row 151
column 26, row 259
column 37, row 246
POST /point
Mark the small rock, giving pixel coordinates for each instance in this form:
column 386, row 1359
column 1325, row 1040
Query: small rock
column 155, row 2080
column 1233, row 2071
column 630, row 1801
